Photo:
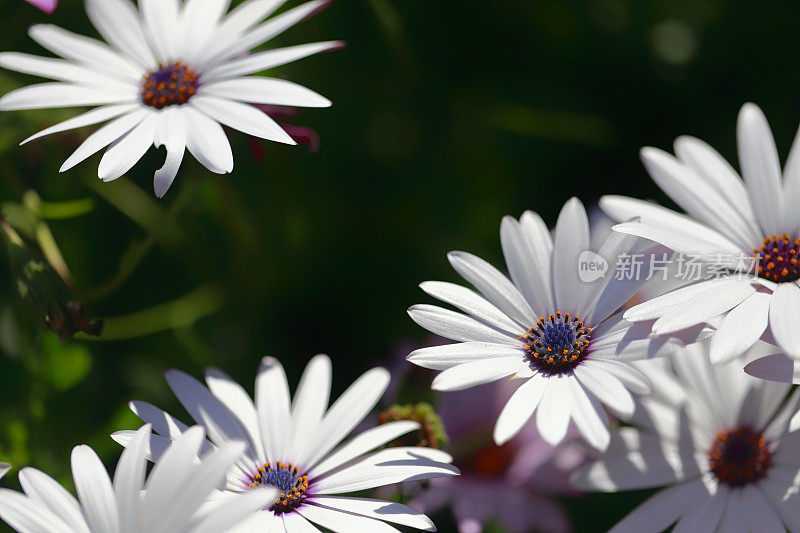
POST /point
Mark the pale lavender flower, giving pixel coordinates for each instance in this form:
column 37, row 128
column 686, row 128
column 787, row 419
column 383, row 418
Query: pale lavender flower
column 514, row 484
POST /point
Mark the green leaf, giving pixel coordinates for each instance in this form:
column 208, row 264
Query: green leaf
column 65, row 364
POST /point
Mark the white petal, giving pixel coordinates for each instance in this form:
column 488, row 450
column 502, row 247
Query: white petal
column 57, row 94
column 235, row 510
column 154, row 448
column 259, row 522
column 493, row 285
column 622, row 341
column 686, row 237
column 733, row 518
column 169, row 476
column 218, row 422
column 761, row 168
column 259, row 61
column 711, row 166
column 162, row 423
column 129, row 477
column 259, row 90
column 699, row 199
column 39, row 486
column 791, row 186
column 740, row 328
column 552, row 415
column 473, row 304
column 248, row 14
column 690, row 237
column 528, row 260
column 571, row 240
column 207, row 142
column 310, row 401
column 759, row 512
column 589, row 417
column 476, row 373
column 171, row 133
column 658, row 306
column 363, row 443
column 121, row 157
column 294, row 523
column 235, row 45
column 776, row 367
column 235, row 398
column 95, row 490
column 702, row 517
column 450, row 355
column 199, row 19
column 607, row 388
column 340, row 522
column 27, row 515
column 242, row 117
column 703, row 307
column 385, row 467
column 379, row 510
column 456, row 326
column 636, row 460
column 519, row 409
column 661, row 510
column 90, row 52
column 784, row 317
column 101, row 114
column 105, row 136
column 273, row 405
column 635, row 380
column 118, row 22
column 599, row 298
column 59, row 69
column 161, row 23
column 203, row 479
column 346, row 412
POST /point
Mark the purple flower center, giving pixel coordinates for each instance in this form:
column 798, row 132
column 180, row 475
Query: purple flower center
column 778, row 258
column 170, row 84
column 288, row 479
column 557, row 344
column 739, row 456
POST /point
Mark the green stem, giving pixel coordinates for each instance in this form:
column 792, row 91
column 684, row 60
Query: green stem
column 159, row 228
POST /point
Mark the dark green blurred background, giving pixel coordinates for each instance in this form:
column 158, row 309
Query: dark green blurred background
column 446, row 116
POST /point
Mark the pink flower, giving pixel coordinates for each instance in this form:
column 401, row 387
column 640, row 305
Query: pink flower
column 514, row 484
column 48, row 6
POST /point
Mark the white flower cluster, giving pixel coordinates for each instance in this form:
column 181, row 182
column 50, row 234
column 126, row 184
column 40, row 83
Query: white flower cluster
column 579, row 337
column 699, row 369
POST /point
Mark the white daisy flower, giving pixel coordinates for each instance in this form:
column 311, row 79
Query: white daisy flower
column 720, row 441
column 557, row 333
column 290, row 446
column 171, row 73
column 171, row 499
column 749, row 231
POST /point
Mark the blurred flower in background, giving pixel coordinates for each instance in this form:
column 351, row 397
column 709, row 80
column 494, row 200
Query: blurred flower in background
column 516, row 485
column 722, row 444
column 48, row 6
